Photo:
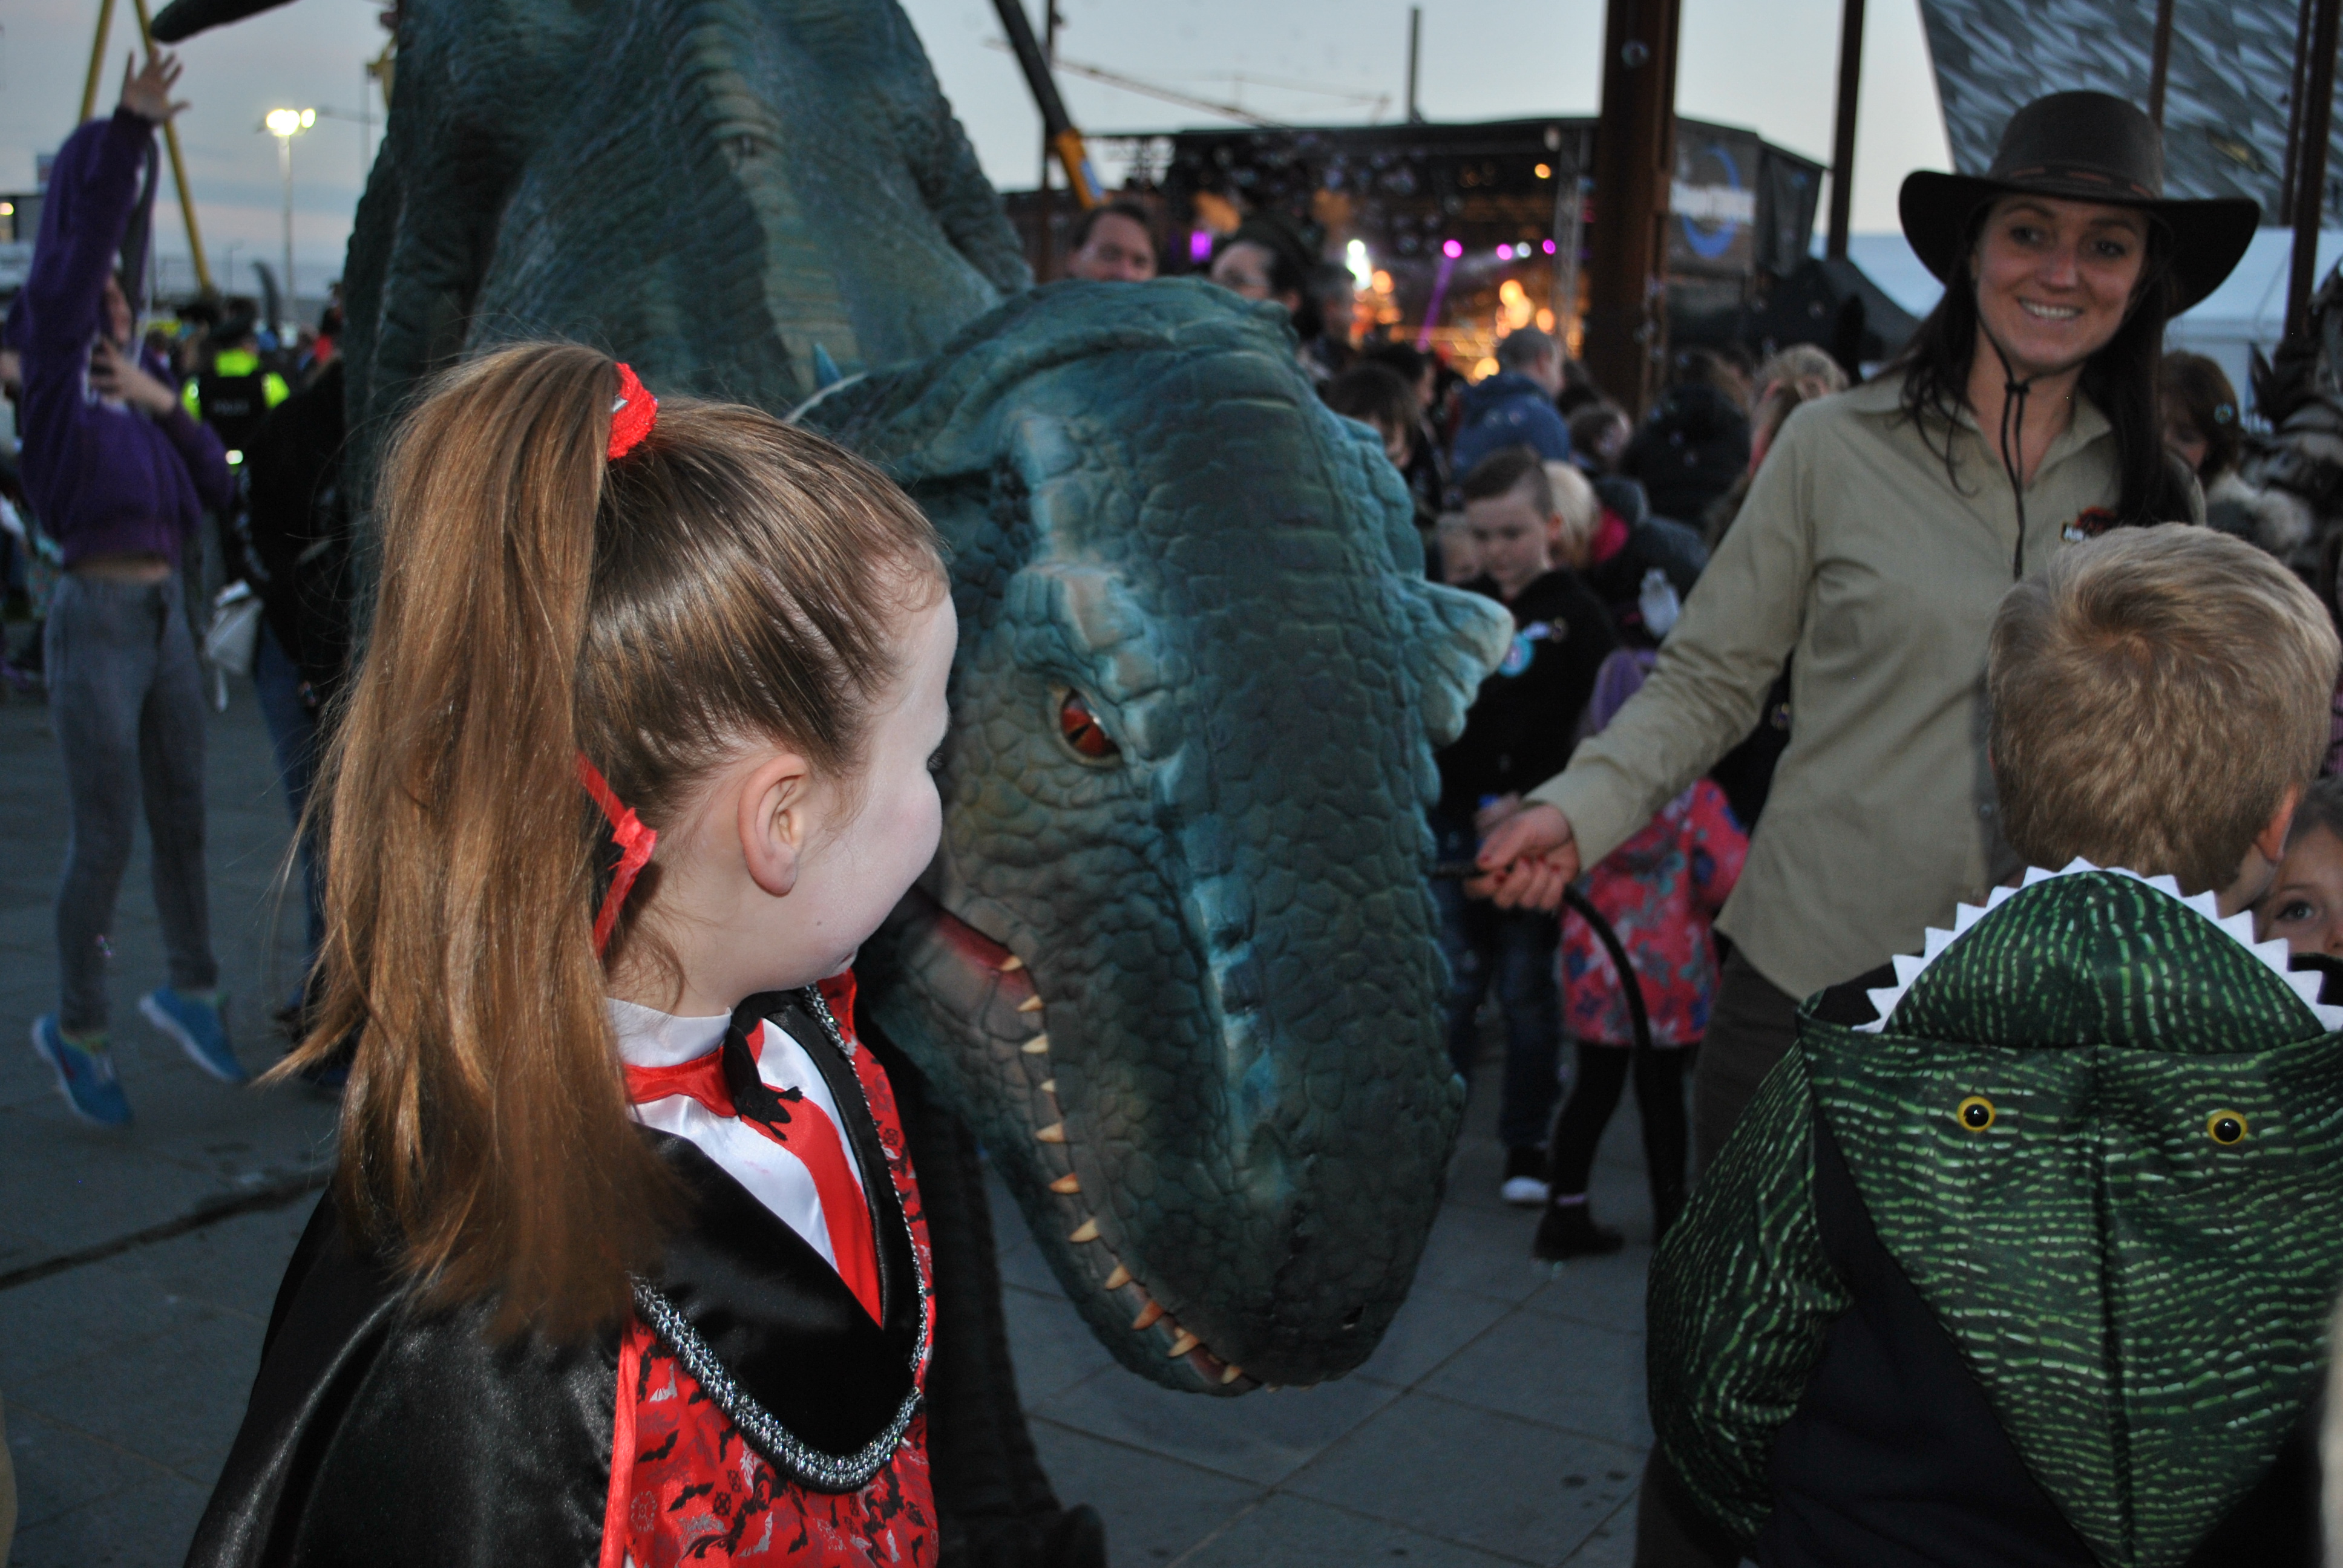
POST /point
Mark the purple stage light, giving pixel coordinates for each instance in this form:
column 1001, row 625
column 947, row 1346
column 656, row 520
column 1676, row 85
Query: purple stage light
column 1199, row 245
column 1452, row 249
column 1549, row 248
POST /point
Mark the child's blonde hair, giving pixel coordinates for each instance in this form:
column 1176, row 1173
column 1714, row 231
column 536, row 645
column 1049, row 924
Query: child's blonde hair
column 2155, row 693
column 731, row 579
column 1575, row 504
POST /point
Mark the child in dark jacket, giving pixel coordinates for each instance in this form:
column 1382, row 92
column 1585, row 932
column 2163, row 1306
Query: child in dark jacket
column 1522, row 727
column 1659, row 891
column 2024, row 1252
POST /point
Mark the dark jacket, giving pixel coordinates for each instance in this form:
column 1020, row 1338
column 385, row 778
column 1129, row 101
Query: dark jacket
column 295, row 524
column 1689, row 451
column 1508, row 409
column 103, row 479
column 1524, row 721
column 1616, row 574
column 378, row 1435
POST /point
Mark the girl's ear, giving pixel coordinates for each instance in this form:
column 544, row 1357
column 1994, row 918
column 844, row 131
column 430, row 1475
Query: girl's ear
column 774, row 816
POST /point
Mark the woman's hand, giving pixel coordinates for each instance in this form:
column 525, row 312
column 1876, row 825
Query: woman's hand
column 114, row 373
column 147, row 90
column 1486, row 819
column 1528, row 861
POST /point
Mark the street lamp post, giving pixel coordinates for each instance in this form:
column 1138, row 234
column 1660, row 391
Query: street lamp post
column 285, row 125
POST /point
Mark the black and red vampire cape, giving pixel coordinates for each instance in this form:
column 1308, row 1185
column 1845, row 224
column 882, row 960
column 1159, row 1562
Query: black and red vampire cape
column 759, row 1411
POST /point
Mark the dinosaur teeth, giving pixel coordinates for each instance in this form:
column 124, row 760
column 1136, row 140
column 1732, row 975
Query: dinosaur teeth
column 1065, row 1186
column 1233, row 1373
column 1086, row 1231
column 1054, row 1134
column 1030, row 1004
column 1037, row 1046
column 1048, row 1086
column 1183, row 1345
column 1012, row 964
column 1120, row 1278
column 1148, row 1315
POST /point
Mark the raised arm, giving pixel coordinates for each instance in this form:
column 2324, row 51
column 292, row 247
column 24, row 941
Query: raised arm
column 91, row 192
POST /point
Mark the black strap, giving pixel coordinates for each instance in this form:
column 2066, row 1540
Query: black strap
column 2013, row 444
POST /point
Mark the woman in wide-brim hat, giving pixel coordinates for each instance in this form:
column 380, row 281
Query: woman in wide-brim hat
column 1877, row 540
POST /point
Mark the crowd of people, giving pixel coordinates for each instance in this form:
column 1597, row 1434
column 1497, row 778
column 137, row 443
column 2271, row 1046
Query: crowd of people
column 1893, row 769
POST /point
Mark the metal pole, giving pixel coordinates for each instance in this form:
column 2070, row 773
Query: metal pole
column 284, row 162
column 2159, row 68
column 2310, row 166
column 1414, row 54
column 1635, row 164
column 96, row 59
column 1570, row 236
column 1064, row 139
column 2295, row 95
column 1850, row 81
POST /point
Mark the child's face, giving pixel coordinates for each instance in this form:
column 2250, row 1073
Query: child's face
column 1399, row 443
column 2305, row 904
column 1516, row 544
column 855, row 873
column 1460, row 558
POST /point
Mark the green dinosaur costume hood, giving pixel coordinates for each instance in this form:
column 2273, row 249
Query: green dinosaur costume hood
column 2102, row 1134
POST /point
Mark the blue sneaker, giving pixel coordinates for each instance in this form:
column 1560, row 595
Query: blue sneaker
column 200, row 1030
column 86, row 1078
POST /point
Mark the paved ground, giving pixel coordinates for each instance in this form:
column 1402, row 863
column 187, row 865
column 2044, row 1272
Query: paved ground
column 1502, row 1422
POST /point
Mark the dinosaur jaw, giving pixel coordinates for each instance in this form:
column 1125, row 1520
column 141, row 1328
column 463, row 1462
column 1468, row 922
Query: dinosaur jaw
column 990, row 990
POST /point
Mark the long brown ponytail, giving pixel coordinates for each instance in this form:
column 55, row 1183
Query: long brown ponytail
column 731, row 578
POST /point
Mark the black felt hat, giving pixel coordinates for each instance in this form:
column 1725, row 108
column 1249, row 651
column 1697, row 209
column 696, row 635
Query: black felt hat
column 2081, row 146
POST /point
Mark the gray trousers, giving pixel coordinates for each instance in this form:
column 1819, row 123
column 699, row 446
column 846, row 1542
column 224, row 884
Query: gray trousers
column 126, row 700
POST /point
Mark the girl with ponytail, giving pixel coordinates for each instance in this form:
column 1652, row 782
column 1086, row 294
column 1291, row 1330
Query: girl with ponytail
column 622, row 1261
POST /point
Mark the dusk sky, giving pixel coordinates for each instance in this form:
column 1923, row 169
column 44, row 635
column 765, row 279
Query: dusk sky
column 1767, row 66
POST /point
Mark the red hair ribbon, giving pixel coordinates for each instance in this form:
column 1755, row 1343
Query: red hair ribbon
column 633, row 838
column 632, row 415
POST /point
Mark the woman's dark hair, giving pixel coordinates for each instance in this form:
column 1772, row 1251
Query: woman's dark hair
column 2122, row 379
column 2198, row 389
column 1289, row 267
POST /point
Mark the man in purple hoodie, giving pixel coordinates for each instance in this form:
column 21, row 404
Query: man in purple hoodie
column 119, row 476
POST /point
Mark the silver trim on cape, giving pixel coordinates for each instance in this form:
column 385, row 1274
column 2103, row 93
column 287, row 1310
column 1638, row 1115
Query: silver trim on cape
column 832, row 1472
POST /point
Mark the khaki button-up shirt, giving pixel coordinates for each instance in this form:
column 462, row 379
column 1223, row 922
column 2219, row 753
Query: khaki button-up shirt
column 1858, row 553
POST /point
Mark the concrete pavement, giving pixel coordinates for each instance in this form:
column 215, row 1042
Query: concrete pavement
column 1501, row 1421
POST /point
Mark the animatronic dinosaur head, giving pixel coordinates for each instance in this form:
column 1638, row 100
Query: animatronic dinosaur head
column 1175, row 960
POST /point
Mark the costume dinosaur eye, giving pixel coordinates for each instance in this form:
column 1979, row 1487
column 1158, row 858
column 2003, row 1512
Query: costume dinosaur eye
column 2226, row 1127
column 1083, row 731
column 1975, row 1113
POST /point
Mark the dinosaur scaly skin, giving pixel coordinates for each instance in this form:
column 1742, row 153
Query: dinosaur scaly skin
column 2143, row 1304
column 711, row 190
column 1185, row 991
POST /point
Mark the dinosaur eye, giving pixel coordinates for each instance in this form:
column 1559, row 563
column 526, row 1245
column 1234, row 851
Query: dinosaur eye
column 1974, row 1113
column 2226, row 1127
column 1081, row 729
